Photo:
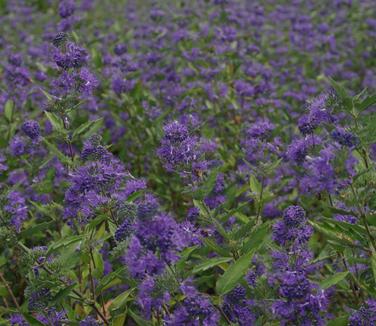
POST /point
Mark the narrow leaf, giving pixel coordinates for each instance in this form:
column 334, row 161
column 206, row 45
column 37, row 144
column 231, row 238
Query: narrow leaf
column 8, row 110
column 234, row 273
column 333, row 280
column 121, row 299
column 210, row 263
column 87, row 127
column 62, row 294
column 138, row 319
column 257, row 238
column 55, row 120
column 367, row 102
column 107, row 280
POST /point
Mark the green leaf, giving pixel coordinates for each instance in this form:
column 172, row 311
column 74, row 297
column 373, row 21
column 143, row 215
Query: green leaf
column 95, row 222
column 98, row 263
column 368, row 131
column 373, row 262
column 342, row 93
column 54, row 150
column 36, row 228
column 62, row 294
column 257, row 238
column 255, row 185
column 49, row 97
column 340, row 321
column 96, row 57
column 44, row 209
column 32, row 320
column 340, row 211
column 132, row 197
column 270, row 167
column 56, row 121
column 65, row 242
column 333, row 280
column 3, row 291
column 210, row 263
column 138, row 319
column 205, row 213
column 107, row 280
column 220, row 250
column 234, row 273
column 75, row 37
column 8, row 110
column 184, row 256
column 208, row 185
column 121, row 299
column 88, row 128
column 244, row 230
column 119, row 320
column 367, row 102
column 333, row 233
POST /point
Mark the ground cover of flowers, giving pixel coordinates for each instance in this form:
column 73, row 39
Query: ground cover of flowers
column 203, row 162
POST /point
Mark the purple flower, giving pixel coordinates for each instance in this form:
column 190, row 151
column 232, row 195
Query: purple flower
column 133, row 186
column 297, row 151
column 93, row 185
column 31, row 129
column 294, row 216
column 88, row 82
column 345, row 138
column 89, row 321
column 18, row 320
column 260, row 129
column 17, row 209
column 216, row 197
column 74, row 57
column 365, row 316
column 93, row 150
column 66, row 8
column 178, row 148
column 320, row 174
column 294, row 285
column 59, row 39
column 39, row 299
column 17, row 146
column 124, row 230
column 194, row 310
column 292, row 229
column 151, row 296
column 306, row 126
column 52, row 317
column 120, row 49
column 141, row 262
column 147, row 207
column 237, row 308
column 176, row 132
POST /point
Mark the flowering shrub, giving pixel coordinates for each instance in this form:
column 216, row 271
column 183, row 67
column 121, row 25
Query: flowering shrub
column 206, row 162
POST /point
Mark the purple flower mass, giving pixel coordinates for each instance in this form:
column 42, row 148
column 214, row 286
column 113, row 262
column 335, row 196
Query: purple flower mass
column 187, row 163
column 31, row 129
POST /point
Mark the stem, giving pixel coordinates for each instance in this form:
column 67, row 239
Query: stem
column 78, row 294
column 330, row 200
column 68, row 141
column 363, row 218
column 223, row 314
column 353, row 286
column 5, row 302
column 9, row 290
column 92, row 286
column 260, row 200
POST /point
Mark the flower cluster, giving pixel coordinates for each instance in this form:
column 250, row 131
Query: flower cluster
column 174, row 163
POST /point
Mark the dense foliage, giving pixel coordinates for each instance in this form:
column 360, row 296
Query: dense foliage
column 204, row 162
